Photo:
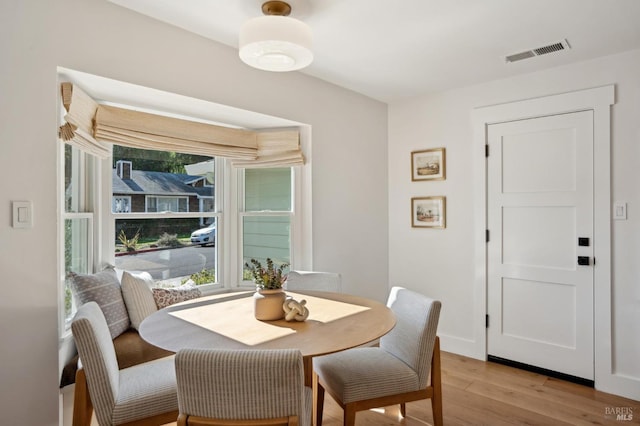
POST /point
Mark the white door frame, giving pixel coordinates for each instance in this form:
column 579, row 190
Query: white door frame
column 599, row 100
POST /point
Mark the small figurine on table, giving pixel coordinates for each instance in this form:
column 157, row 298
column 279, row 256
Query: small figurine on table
column 294, row 310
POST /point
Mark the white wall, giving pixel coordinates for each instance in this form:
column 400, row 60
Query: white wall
column 441, row 263
column 95, row 36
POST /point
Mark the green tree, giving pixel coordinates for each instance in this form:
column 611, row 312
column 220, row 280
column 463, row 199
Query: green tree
column 155, row 161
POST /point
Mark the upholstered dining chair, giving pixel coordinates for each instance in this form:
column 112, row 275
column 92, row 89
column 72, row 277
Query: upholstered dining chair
column 404, row 368
column 313, row 280
column 141, row 395
column 242, row 387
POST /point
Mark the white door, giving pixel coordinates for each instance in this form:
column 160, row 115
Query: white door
column 540, row 221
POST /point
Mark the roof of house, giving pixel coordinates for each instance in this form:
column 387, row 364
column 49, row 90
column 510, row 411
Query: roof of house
column 159, row 183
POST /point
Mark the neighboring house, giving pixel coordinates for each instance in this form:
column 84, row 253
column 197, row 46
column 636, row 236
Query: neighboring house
column 139, row 191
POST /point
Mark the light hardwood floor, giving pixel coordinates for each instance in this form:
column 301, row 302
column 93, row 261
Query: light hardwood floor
column 481, row 393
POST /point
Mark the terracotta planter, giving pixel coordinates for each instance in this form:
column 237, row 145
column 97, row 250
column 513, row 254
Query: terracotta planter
column 267, row 304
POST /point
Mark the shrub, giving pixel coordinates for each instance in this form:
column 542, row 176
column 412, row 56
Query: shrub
column 169, row 240
column 206, row 276
column 129, row 243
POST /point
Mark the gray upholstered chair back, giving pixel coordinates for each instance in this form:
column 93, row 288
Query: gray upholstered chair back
column 413, row 337
column 312, row 280
column 98, row 357
column 241, row 384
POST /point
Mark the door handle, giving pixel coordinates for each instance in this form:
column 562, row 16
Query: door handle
column 584, row 260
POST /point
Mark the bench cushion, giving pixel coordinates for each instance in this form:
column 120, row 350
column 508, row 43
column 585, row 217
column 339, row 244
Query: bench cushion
column 131, row 350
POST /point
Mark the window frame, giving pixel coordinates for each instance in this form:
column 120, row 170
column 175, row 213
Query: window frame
column 85, row 170
column 229, row 226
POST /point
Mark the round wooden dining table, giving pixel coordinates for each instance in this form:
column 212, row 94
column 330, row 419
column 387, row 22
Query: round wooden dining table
column 336, row 322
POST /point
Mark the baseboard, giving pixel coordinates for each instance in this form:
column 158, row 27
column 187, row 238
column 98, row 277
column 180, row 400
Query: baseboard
column 539, row 370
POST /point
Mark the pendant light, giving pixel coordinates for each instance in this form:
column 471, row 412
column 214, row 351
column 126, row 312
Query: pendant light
column 276, row 42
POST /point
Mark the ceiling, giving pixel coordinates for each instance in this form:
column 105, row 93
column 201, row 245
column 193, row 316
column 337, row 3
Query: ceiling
column 126, row 95
column 396, row 50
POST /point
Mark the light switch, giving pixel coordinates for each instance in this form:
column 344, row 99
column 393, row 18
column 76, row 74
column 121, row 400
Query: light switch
column 620, row 211
column 22, row 214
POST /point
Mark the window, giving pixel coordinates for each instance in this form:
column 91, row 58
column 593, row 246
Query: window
column 78, row 230
column 162, row 232
column 77, row 219
column 205, row 204
column 121, row 204
column 167, row 204
column 267, row 215
column 179, row 237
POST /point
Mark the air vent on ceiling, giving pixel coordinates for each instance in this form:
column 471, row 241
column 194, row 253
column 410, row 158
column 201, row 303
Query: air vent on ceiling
column 550, row 48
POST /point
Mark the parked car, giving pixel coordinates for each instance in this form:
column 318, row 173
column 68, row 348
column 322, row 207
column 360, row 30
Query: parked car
column 204, row 236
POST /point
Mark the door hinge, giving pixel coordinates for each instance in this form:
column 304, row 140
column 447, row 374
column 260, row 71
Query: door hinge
column 486, row 321
column 487, row 235
column 486, row 150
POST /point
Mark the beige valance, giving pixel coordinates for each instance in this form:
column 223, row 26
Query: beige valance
column 275, row 149
column 151, row 131
column 104, row 124
column 78, row 127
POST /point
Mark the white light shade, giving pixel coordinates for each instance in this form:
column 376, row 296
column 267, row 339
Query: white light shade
column 275, row 43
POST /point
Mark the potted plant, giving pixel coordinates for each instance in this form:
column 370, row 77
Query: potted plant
column 269, row 277
column 269, row 297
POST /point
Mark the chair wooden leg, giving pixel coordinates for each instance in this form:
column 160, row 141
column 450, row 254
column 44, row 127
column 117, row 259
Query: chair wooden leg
column 436, row 382
column 318, row 400
column 349, row 415
column 403, row 409
column 82, row 407
column 182, row 420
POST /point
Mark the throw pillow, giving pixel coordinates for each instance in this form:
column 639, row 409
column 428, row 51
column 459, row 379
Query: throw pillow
column 168, row 296
column 136, row 291
column 104, row 289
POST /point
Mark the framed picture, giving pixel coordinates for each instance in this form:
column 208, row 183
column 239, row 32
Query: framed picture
column 428, row 164
column 428, row 212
